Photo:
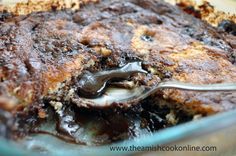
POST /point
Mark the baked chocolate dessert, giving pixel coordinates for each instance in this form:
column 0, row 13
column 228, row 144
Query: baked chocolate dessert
column 44, row 55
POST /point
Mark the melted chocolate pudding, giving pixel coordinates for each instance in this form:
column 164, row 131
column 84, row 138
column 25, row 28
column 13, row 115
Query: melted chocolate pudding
column 97, row 127
column 93, row 85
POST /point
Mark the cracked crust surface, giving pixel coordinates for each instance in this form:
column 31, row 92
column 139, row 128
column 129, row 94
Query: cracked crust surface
column 43, row 51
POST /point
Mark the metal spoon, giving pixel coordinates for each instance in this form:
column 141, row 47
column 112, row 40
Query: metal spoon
column 187, row 86
column 128, row 97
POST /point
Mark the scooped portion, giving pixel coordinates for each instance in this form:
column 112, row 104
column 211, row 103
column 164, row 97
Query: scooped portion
column 93, row 85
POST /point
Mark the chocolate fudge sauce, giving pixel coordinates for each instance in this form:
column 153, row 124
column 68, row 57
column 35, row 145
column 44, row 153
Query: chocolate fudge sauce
column 93, row 84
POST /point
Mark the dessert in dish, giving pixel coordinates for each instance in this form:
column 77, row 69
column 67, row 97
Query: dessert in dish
column 44, row 55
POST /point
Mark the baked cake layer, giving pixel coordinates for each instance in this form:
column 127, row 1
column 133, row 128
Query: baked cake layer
column 42, row 50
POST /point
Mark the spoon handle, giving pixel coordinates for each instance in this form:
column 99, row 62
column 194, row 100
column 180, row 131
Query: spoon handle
column 196, row 87
column 187, row 86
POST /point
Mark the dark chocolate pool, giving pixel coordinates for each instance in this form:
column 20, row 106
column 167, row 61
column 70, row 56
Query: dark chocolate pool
column 89, row 126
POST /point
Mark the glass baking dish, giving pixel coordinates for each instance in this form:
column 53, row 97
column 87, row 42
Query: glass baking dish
column 214, row 131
